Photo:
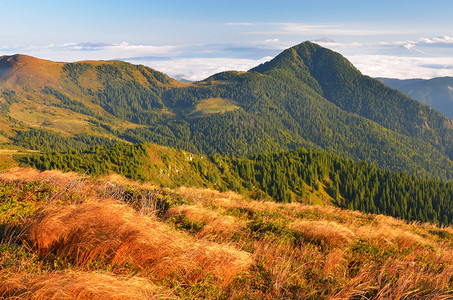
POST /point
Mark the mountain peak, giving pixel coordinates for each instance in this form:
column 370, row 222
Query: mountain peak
column 20, row 60
column 32, row 72
column 28, row 70
column 312, row 64
column 309, row 56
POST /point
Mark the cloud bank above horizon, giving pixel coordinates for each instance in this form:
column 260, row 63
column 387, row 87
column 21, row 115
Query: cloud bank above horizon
column 423, row 57
column 194, row 39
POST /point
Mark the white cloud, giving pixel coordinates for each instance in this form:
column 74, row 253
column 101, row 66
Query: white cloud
column 91, row 51
column 112, row 51
column 437, row 40
column 272, row 43
column 195, row 69
column 420, row 58
column 403, row 67
column 191, row 62
column 424, row 57
column 424, row 48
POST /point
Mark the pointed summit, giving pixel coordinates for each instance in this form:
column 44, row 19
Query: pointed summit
column 316, row 66
column 320, row 62
column 338, row 81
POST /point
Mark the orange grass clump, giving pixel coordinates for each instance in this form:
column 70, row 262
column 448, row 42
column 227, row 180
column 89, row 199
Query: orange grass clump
column 78, row 285
column 324, row 233
column 207, row 195
column 30, row 174
column 215, row 223
column 116, row 235
column 66, row 183
column 387, row 235
column 408, row 278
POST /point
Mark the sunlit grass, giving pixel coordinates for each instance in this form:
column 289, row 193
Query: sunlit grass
column 213, row 106
column 77, row 237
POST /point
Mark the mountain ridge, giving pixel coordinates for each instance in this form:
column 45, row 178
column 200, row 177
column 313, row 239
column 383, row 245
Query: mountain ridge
column 435, row 92
column 286, row 103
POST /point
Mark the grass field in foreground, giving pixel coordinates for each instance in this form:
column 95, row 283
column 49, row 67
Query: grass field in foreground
column 64, row 235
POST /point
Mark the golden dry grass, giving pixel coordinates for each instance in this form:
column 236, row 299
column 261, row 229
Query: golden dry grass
column 28, row 174
column 213, row 222
column 324, row 233
column 342, row 255
column 388, row 235
column 115, row 235
column 208, row 196
column 30, row 72
column 78, row 285
column 281, row 251
column 408, row 278
column 71, row 187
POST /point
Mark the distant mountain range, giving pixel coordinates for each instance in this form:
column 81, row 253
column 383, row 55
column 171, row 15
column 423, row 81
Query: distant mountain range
column 436, row 92
column 308, row 96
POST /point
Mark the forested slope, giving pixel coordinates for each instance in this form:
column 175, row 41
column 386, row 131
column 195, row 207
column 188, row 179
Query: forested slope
column 308, row 96
column 298, row 175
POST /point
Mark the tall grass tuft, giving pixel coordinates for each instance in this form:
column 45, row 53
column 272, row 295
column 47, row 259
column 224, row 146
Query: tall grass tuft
column 324, row 233
column 213, row 223
column 115, row 235
column 78, row 285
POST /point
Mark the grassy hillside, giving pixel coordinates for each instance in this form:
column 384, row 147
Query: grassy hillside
column 78, row 98
column 213, row 106
column 63, row 235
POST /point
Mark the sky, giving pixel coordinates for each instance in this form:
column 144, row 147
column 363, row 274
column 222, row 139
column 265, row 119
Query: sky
column 194, row 39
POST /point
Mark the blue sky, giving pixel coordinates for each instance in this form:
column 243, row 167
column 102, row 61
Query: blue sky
column 194, row 39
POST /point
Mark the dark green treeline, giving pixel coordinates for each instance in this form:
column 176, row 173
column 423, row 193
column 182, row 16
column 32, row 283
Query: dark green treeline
column 353, row 185
column 286, row 176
